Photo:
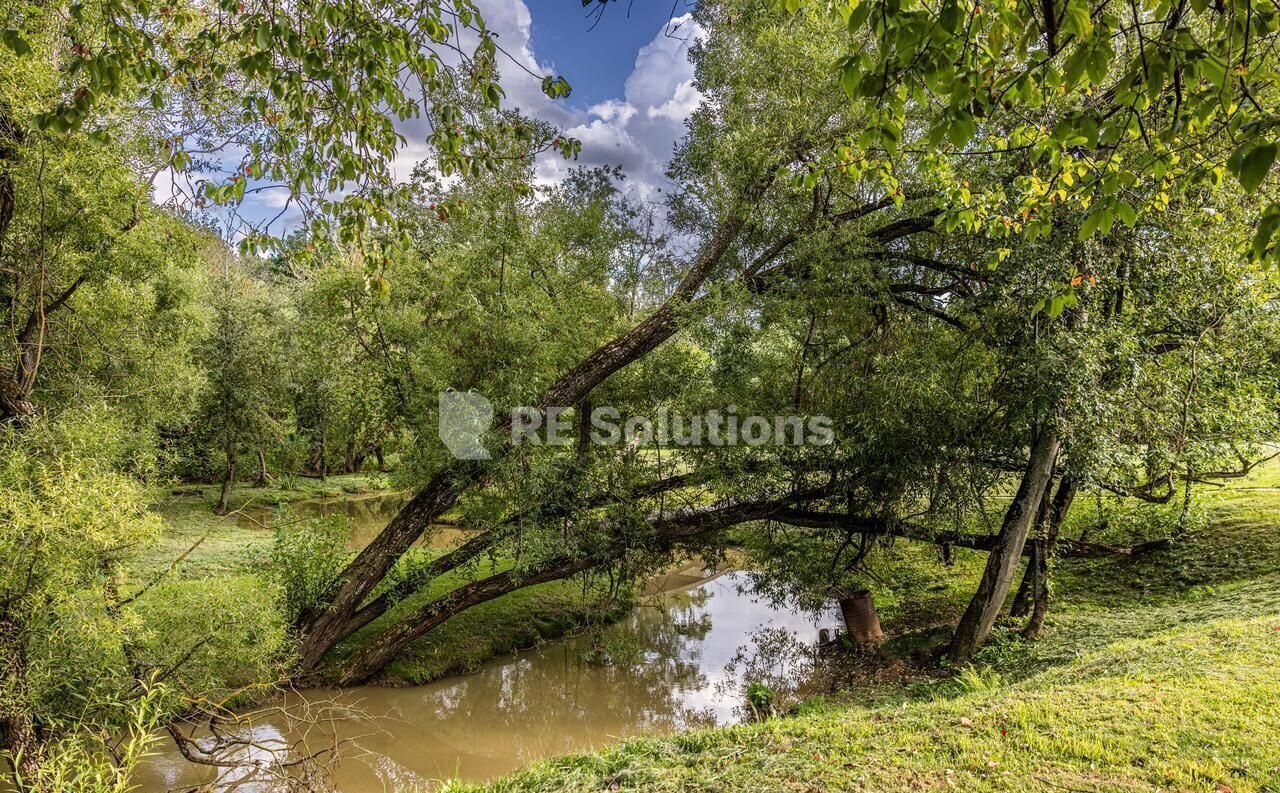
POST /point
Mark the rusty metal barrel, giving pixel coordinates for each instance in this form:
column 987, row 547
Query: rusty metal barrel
column 860, row 618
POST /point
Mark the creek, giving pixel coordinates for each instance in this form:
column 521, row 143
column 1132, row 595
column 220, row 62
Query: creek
column 674, row 663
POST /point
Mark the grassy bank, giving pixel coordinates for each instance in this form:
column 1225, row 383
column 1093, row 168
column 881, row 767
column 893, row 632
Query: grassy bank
column 239, row 542
column 517, row 621
column 222, row 559
column 1154, row 673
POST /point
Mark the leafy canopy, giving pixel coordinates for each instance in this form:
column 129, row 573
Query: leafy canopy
column 1115, row 104
column 302, row 96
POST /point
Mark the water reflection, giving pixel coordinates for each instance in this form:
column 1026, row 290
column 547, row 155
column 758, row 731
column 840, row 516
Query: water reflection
column 668, row 666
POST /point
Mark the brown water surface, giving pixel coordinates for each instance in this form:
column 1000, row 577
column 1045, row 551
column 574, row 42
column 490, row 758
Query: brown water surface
column 664, row 668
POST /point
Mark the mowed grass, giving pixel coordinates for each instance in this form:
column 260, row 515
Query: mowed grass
column 1160, row 672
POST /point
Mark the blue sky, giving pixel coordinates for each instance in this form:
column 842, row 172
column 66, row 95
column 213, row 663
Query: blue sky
column 597, row 52
column 632, row 81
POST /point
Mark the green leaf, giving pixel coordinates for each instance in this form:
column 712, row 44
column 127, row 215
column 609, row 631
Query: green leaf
column 263, row 36
column 1127, row 214
column 850, row 77
column 1090, row 224
column 14, row 41
column 1267, row 227
column 1077, row 20
column 962, row 129
column 1255, row 165
column 950, row 17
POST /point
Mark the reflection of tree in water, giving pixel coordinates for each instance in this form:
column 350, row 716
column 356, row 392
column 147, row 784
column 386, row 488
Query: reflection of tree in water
column 669, row 626
column 777, row 658
column 661, row 668
column 630, row 678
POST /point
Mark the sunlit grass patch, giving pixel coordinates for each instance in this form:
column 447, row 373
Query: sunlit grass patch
column 1185, row 710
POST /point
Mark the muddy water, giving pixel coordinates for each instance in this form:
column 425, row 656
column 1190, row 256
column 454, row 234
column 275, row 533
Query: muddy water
column 662, row 669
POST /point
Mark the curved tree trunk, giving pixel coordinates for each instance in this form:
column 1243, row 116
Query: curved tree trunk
column 374, row 655
column 1002, row 564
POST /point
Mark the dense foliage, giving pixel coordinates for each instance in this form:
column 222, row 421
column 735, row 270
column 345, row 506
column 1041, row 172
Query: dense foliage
column 919, row 246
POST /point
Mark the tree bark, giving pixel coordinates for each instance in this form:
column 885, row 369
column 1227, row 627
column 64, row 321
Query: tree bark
column 18, row 734
column 1002, row 564
column 14, row 402
column 1045, row 552
column 1023, row 600
column 262, row 468
column 228, row 479
column 1026, row 590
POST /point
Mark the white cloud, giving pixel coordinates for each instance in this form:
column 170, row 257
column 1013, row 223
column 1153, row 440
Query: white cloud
column 613, row 111
column 639, row 130
column 680, row 106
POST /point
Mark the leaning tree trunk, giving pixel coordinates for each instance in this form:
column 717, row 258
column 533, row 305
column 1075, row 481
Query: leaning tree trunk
column 18, row 734
column 1002, row 564
column 324, row 629
column 1044, row 555
column 1023, row 601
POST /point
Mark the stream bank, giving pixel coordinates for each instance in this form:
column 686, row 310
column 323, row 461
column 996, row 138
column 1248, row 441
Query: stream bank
column 673, row 663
